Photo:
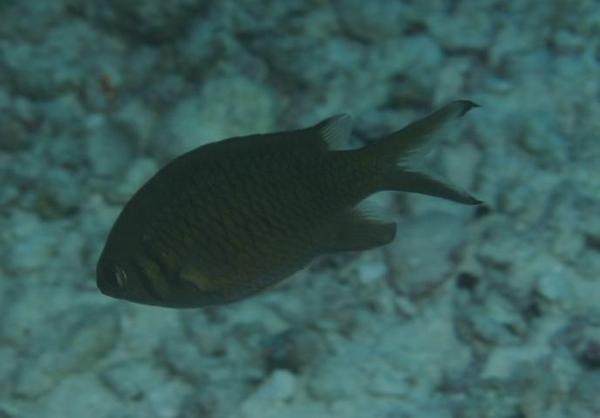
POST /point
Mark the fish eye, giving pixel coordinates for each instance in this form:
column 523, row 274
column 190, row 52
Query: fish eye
column 121, row 276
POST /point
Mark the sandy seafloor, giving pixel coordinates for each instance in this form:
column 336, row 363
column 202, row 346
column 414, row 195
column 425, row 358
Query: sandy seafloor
column 474, row 313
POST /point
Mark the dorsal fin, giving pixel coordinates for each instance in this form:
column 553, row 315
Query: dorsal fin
column 330, row 134
column 335, row 131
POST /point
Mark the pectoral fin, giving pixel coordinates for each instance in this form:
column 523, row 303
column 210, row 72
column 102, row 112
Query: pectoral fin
column 203, row 282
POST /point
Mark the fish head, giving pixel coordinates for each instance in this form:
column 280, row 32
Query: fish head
column 118, row 278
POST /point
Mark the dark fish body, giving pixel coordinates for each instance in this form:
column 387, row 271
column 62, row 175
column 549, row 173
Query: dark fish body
column 231, row 218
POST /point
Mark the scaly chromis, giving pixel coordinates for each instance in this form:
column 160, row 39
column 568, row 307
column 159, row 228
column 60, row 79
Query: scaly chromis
column 231, row 218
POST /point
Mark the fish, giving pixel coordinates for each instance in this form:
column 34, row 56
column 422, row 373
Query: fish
column 232, row 218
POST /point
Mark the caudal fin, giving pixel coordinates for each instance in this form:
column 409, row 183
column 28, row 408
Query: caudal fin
column 407, row 147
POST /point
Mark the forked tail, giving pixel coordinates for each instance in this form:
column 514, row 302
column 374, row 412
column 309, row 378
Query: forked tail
column 406, row 148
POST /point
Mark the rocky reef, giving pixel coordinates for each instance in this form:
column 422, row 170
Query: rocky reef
column 491, row 312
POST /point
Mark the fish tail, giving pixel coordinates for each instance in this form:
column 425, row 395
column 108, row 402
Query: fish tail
column 403, row 150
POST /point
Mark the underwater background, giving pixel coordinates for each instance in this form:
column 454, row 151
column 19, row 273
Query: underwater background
column 489, row 312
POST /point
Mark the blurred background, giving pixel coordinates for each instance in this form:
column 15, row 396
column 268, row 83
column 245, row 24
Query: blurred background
column 487, row 312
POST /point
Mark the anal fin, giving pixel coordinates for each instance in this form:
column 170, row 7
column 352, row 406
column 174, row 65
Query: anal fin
column 355, row 231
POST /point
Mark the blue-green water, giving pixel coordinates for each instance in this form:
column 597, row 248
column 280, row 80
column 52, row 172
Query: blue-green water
column 491, row 312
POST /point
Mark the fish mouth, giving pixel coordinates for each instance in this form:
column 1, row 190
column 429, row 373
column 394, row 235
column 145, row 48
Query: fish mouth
column 105, row 281
column 104, row 289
